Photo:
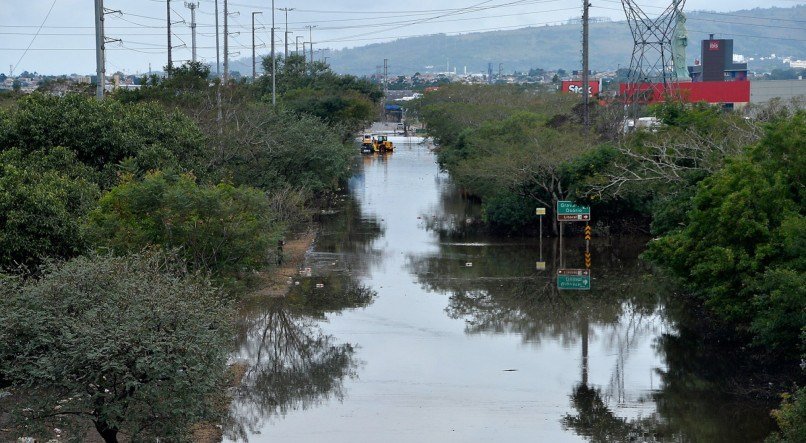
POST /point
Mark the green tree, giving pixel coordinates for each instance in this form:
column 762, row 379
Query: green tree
column 791, row 418
column 743, row 247
column 222, row 229
column 102, row 134
column 137, row 344
column 43, row 197
column 273, row 150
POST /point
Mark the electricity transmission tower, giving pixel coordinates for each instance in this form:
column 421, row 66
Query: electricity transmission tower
column 652, row 67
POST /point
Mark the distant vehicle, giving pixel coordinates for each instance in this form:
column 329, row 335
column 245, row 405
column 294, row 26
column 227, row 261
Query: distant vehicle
column 400, row 128
column 367, row 144
column 648, row 123
column 382, row 144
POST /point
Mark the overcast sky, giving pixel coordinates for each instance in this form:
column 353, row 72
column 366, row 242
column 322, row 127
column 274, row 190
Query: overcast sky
column 66, row 42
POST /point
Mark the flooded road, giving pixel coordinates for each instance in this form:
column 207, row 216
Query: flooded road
column 410, row 327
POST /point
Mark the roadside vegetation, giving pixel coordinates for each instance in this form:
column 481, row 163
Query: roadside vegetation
column 721, row 193
column 129, row 226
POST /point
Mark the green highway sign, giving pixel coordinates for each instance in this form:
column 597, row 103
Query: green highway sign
column 570, row 211
column 574, row 279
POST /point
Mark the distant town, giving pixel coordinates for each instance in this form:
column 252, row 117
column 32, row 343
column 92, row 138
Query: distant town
column 28, row 82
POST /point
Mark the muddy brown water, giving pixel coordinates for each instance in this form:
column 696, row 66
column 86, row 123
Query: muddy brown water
column 409, row 326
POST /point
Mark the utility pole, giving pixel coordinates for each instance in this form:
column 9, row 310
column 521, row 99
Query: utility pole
column 585, row 81
column 385, row 85
column 385, row 77
column 286, row 30
column 170, row 57
column 226, row 44
column 254, row 63
column 273, row 61
column 100, row 56
column 500, row 70
column 217, row 49
column 192, row 7
column 310, row 43
column 296, row 39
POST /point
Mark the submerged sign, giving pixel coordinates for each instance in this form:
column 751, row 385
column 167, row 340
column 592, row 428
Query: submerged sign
column 570, row 211
column 574, row 279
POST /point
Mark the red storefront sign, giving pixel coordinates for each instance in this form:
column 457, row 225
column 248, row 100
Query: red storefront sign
column 575, row 87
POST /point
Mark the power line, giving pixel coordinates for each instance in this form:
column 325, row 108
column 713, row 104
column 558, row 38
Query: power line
column 34, row 37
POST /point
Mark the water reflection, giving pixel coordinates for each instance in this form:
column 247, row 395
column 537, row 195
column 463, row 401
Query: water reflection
column 428, row 358
column 293, row 364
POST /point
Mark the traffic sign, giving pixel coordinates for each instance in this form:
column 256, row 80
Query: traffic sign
column 574, row 279
column 588, row 232
column 570, row 211
column 540, row 211
column 540, row 265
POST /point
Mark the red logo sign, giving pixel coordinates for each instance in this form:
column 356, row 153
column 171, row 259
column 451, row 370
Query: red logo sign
column 575, row 87
column 713, row 45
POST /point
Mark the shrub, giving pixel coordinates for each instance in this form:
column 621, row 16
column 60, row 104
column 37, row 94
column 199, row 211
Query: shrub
column 223, row 228
column 742, row 249
column 102, row 134
column 791, row 418
column 135, row 343
column 43, row 197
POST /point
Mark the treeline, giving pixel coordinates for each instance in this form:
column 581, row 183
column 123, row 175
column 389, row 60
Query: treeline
column 121, row 221
column 721, row 193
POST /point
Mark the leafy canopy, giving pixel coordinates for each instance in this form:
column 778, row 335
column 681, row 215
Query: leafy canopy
column 135, row 343
column 222, row 229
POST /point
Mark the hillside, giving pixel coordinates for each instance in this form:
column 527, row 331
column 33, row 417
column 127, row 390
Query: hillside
column 756, row 33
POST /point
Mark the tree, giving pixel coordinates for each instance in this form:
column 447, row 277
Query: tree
column 222, row 229
column 102, row 134
column 743, row 245
column 43, row 197
column 137, row 344
column 791, row 418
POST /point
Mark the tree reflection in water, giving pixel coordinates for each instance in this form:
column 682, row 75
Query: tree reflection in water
column 292, row 363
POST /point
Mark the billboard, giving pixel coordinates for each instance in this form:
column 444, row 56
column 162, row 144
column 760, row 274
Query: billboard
column 575, row 86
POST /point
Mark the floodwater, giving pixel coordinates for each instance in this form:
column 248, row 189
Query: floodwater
column 410, row 327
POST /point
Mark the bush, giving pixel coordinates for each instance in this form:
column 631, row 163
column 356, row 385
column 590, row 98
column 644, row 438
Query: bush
column 508, row 212
column 43, row 197
column 223, row 229
column 743, row 249
column 791, row 418
column 273, row 151
column 135, row 344
column 102, row 133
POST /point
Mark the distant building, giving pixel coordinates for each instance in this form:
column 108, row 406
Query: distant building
column 717, row 63
column 797, row 64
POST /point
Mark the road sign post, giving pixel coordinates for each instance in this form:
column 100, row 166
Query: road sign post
column 568, row 211
column 541, row 265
